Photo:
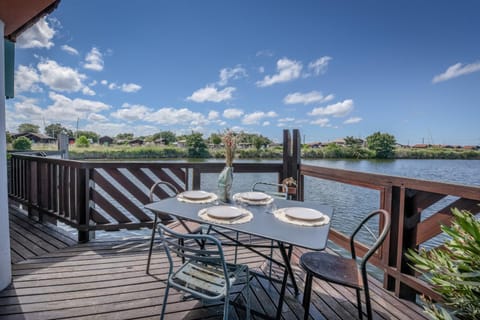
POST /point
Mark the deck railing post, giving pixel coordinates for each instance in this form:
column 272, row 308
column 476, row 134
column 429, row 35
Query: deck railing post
column 83, row 204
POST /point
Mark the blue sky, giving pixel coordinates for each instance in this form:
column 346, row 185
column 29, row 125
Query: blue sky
column 329, row 68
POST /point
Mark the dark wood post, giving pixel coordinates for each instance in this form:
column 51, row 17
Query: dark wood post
column 291, row 159
column 83, row 204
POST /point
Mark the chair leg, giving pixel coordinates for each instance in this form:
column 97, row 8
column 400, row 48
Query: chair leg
column 165, row 298
column 307, row 294
column 368, row 303
column 151, row 242
column 359, row 304
column 249, row 310
column 226, row 308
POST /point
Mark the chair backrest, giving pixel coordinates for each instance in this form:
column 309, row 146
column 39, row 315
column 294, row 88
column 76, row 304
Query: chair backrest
column 276, row 190
column 384, row 217
column 202, row 248
column 158, row 184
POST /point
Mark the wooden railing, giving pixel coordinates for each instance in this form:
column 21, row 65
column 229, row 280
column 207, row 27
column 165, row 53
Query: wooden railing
column 91, row 195
column 406, row 199
column 104, row 195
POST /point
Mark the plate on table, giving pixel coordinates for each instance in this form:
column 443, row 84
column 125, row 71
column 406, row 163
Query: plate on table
column 305, row 214
column 254, row 196
column 196, row 195
column 224, row 212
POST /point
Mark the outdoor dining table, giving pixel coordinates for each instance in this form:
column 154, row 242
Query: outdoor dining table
column 264, row 224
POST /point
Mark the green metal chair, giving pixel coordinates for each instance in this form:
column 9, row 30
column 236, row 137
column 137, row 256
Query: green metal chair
column 205, row 274
column 173, row 192
column 344, row 271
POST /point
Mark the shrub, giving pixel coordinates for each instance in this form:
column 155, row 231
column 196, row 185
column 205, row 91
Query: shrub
column 82, row 142
column 454, row 271
column 22, row 143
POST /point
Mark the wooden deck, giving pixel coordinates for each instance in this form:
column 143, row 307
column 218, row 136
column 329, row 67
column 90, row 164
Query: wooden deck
column 107, row 280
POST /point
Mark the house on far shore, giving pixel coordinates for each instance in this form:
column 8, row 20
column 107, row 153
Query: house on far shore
column 420, row 146
column 135, row 142
column 105, row 140
column 180, row 143
column 35, row 137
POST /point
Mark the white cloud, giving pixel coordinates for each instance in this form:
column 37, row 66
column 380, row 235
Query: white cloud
column 60, row 78
column 213, row 115
column 97, row 117
column 108, row 128
column 94, row 60
column 88, row 91
column 286, row 119
column 231, row 73
column 265, row 53
column 232, row 113
column 339, row 109
column 130, row 87
column 39, row 35
column 130, row 112
column 125, row 87
column 261, row 69
column 69, row 50
column 266, row 123
column 287, row 70
column 322, row 122
column 256, row 117
column 353, row 120
column 26, row 79
column 457, row 70
column 181, row 116
column 64, row 108
column 306, row 98
column 320, row 65
column 210, row 93
column 29, row 108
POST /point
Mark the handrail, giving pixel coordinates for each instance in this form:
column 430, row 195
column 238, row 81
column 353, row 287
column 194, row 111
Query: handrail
column 406, row 199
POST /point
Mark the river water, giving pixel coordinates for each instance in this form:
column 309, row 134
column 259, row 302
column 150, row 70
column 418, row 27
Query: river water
column 352, row 203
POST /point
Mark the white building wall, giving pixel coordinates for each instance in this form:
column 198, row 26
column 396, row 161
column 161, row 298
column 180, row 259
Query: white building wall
column 5, row 267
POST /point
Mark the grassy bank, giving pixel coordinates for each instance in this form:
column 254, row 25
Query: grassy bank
column 338, row 152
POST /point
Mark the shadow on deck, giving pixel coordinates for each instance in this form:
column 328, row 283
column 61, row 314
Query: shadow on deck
column 107, row 280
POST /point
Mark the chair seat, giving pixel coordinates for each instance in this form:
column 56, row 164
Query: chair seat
column 208, row 279
column 332, row 268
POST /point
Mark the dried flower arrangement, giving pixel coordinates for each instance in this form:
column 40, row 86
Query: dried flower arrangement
column 230, row 142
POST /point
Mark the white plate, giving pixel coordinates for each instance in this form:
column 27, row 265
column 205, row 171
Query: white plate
column 196, row 195
column 301, row 213
column 224, row 212
column 254, row 196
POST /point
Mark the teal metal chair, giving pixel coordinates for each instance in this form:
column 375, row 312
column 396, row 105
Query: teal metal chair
column 349, row 272
column 173, row 191
column 204, row 274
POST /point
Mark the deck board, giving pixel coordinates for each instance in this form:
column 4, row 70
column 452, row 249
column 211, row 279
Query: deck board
column 59, row 279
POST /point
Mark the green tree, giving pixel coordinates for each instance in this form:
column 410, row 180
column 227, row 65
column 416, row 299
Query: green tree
column 215, row 138
column 354, row 146
column 82, row 142
column 196, row 146
column 89, row 135
column 55, row 128
column 22, row 143
column 168, row 137
column 383, row 144
column 9, row 137
column 28, row 127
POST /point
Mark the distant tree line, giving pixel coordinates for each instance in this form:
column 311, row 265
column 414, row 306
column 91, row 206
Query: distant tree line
column 376, row 146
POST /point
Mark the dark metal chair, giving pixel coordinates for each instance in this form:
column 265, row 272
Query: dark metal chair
column 205, row 274
column 349, row 272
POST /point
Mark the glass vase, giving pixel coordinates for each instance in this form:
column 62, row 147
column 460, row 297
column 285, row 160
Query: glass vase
column 225, row 181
